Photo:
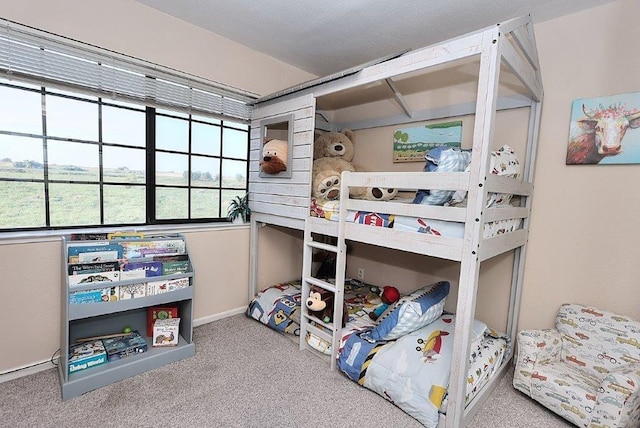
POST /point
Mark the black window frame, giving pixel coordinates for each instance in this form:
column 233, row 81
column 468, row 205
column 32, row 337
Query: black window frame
column 150, row 155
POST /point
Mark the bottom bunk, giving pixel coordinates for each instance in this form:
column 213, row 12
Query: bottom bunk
column 405, row 355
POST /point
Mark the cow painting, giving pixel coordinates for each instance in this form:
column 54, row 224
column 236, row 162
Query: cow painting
column 601, row 132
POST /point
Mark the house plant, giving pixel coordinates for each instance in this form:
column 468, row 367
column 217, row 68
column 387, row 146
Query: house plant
column 239, row 211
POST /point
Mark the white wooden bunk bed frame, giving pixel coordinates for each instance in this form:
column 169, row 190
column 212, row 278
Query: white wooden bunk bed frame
column 286, row 202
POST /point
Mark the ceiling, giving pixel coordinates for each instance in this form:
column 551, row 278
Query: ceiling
column 324, row 37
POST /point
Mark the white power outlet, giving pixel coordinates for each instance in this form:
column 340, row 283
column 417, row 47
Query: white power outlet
column 361, row 274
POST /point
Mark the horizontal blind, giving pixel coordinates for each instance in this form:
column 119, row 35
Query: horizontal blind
column 34, row 56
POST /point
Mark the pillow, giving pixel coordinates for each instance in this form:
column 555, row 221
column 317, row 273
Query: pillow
column 412, row 312
column 442, row 159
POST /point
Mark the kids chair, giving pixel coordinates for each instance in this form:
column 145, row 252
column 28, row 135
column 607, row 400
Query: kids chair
column 586, row 370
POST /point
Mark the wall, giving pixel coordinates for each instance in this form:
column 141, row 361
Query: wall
column 584, row 234
column 32, row 270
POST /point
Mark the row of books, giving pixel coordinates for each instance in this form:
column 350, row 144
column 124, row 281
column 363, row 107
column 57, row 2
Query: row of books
column 109, row 251
column 128, row 291
column 112, row 271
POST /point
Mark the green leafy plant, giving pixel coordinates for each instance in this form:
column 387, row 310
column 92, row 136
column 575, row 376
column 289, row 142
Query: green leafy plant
column 239, row 208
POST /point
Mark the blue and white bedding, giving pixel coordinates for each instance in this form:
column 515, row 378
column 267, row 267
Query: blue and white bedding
column 405, row 356
column 413, row 371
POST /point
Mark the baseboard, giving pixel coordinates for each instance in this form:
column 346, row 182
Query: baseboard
column 37, row 367
column 211, row 318
column 27, row 370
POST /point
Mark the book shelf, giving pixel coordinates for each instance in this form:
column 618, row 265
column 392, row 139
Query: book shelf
column 90, row 315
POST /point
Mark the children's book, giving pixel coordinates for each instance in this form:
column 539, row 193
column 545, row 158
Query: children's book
column 86, row 355
column 121, row 347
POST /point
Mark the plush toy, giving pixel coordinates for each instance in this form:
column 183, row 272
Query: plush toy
column 332, row 154
column 389, row 296
column 323, row 308
column 334, row 145
column 274, row 157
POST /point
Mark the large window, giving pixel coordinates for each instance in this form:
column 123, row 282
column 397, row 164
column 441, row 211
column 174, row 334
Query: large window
column 71, row 160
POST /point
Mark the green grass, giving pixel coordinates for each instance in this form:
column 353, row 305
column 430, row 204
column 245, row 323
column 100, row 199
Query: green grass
column 22, row 204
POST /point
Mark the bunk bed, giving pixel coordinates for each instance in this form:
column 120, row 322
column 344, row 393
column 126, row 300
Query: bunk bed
column 505, row 62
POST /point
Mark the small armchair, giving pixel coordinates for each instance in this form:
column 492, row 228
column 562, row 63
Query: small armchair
column 586, row 370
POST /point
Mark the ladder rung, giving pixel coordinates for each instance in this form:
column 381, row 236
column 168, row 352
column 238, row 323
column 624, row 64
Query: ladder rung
column 318, row 320
column 318, row 332
column 320, row 283
column 322, row 246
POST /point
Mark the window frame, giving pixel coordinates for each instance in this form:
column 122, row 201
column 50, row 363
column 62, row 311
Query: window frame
column 150, row 151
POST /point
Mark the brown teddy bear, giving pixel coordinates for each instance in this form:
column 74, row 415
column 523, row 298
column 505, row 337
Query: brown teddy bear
column 323, row 308
column 274, row 157
column 332, row 154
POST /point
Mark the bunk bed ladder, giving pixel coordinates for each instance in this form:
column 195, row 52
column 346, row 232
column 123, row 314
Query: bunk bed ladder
column 310, row 324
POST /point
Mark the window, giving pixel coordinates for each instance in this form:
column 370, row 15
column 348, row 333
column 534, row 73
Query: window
column 70, row 160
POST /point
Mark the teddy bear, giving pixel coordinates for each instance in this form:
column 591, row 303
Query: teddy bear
column 323, row 308
column 274, row 157
column 389, row 295
column 332, row 154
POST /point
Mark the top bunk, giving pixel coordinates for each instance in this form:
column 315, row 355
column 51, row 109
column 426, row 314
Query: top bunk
column 478, row 78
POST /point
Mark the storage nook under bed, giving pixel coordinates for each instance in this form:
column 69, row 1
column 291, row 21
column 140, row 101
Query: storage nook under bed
column 507, row 77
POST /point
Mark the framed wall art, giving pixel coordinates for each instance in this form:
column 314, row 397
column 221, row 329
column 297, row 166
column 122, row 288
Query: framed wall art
column 603, row 130
column 412, row 144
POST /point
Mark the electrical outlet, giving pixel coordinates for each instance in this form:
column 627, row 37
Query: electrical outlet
column 361, row 274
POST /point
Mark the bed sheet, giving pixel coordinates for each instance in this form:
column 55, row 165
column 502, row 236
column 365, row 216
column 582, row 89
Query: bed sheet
column 413, row 371
column 330, row 210
column 279, row 308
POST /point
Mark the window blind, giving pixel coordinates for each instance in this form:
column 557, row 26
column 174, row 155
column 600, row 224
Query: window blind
column 42, row 58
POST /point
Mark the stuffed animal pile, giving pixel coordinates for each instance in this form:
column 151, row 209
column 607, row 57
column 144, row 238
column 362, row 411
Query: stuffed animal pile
column 332, row 154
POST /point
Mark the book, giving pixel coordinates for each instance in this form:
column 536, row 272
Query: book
column 79, row 268
column 121, row 347
column 143, row 248
column 133, row 291
column 76, row 250
column 149, row 268
column 169, row 268
column 159, row 313
column 100, row 295
column 91, row 278
column 166, row 332
column 86, row 355
column 159, row 287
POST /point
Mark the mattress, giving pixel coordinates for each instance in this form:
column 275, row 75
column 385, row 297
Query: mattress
column 413, row 371
column 330, row 210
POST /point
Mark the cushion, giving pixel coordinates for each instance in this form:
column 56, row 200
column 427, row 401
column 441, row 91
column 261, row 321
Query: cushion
column 412, row 312
column 442, row 159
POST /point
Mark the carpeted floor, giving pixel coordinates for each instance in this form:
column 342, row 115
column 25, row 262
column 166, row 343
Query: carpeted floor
column 243, row 375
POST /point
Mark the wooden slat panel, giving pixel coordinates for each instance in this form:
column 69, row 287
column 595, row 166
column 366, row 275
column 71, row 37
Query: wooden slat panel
column 292, row 223
column 501, row 184
column 491, row 247
column 297, row 164
column 299, row 139
column 279, row 108
column 296, row 201
column 409, row 180
column 303, row 125
column 297, row 177
column 505, row 213
column 270, row 187
column 281, row 210
column 408, row 209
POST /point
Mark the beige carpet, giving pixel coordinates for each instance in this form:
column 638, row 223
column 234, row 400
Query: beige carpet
column 243, row 375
